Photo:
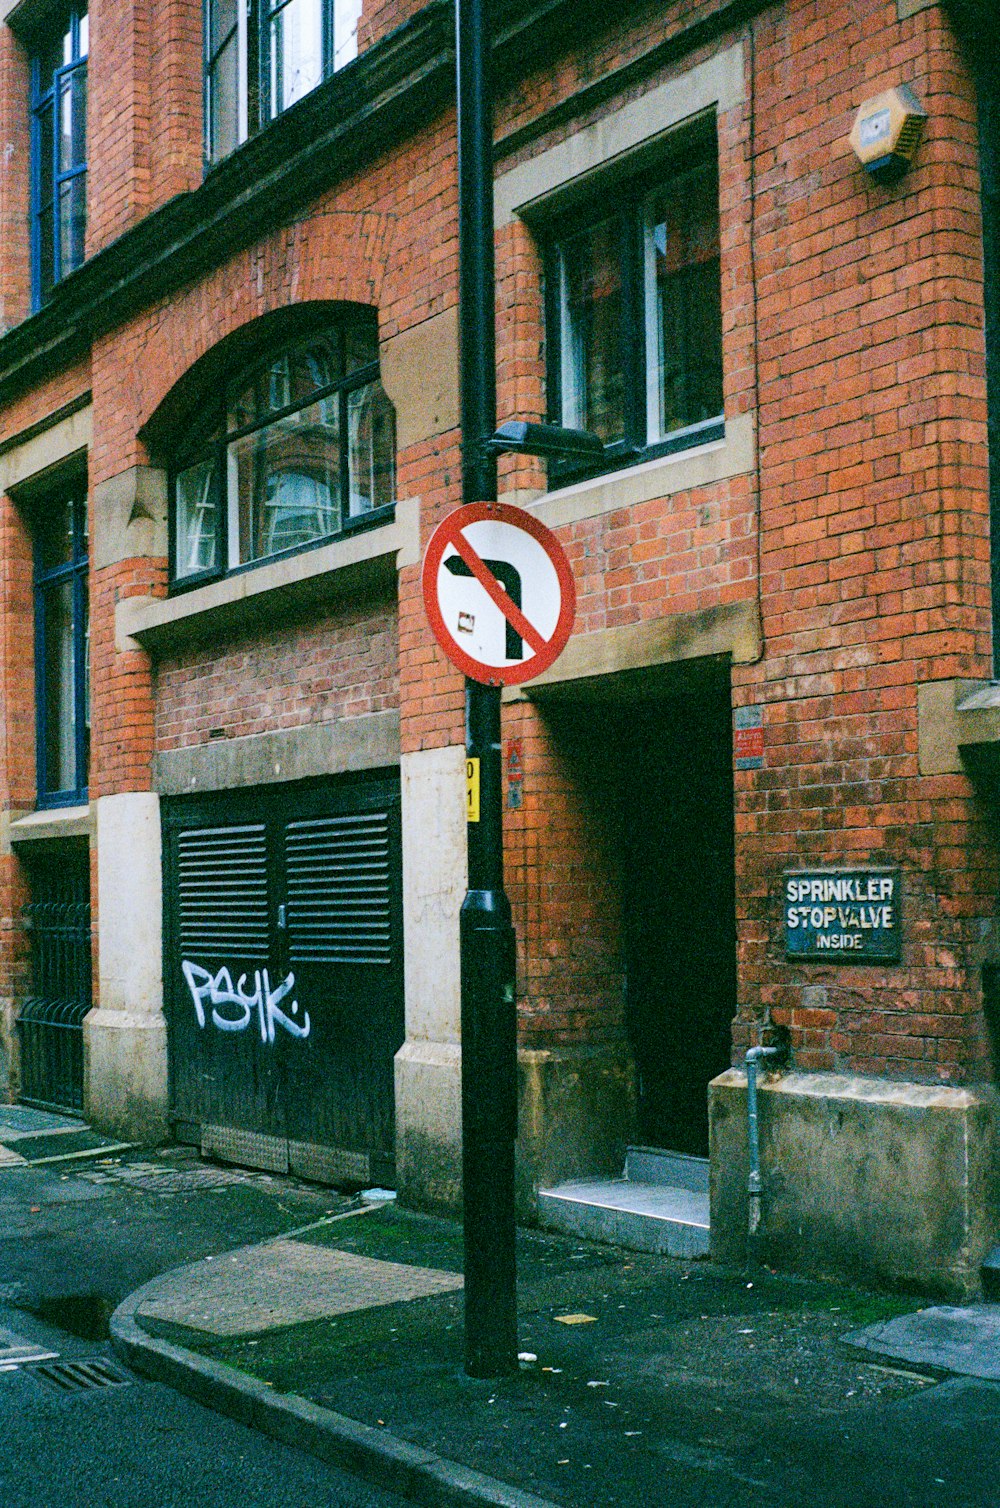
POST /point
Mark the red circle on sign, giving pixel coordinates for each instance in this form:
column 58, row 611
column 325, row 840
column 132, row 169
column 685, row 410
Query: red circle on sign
column 543, row 656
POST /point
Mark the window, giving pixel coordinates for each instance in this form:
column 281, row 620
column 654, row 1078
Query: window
column 261, row 56
column 634, row 316
column 59, row 152
column 62, row 641
column 300, row 448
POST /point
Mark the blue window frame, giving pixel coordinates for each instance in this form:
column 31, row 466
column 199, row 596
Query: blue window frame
column 62, row 643
column 58, row 151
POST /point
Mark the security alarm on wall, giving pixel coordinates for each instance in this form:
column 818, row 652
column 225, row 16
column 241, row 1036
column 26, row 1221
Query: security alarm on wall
column 887, row 132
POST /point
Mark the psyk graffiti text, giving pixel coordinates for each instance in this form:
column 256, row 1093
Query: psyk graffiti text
column 218, row 990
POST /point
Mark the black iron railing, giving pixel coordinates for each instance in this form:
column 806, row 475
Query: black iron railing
column 50, row 1022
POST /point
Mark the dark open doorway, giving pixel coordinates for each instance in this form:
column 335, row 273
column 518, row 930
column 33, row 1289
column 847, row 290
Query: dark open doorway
column 652, row 757
column 679, row 909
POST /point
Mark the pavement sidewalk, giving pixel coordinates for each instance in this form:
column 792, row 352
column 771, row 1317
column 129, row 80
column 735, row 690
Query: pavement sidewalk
column 643, row 1380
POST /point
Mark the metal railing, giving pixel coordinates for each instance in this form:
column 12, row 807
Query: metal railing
column 50, row 1022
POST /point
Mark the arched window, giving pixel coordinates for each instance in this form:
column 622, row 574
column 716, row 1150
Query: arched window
column 294, row 450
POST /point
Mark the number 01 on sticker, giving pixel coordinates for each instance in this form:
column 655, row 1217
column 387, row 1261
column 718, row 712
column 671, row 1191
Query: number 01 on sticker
column 472, row 790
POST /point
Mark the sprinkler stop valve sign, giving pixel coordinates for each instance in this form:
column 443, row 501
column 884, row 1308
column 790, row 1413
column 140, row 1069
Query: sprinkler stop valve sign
column 499, row 593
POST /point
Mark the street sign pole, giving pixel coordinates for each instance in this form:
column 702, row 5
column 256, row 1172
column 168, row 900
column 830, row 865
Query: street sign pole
column 489, row 1034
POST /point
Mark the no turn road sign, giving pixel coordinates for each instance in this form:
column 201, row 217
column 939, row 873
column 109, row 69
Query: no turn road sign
column 499, row 593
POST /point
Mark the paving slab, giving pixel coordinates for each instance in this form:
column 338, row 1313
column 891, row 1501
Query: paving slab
column 949, row 1338
column 284, row 1282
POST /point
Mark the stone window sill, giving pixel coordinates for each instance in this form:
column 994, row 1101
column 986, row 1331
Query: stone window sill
column 317, row 578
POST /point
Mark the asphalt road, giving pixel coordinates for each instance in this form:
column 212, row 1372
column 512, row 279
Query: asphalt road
column 76, row 1239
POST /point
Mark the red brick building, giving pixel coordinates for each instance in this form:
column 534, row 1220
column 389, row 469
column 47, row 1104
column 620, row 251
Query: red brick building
column 756, row 791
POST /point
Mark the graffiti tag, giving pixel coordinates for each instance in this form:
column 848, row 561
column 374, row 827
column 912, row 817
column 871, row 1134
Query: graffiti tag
column 233, row 1005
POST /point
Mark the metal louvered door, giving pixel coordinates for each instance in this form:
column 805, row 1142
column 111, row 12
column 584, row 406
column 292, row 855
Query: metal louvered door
column 340, row 879
column 220, row 947
column 283, row 969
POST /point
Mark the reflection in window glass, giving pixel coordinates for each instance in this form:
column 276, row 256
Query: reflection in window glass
column 637, row 311
column 592, row 382
column 296, row 51
column 685, row 303
column 346, row 15
column 371, row 427
column 62, row 639
column 286, row 480
column 263, row 56
column 301, row 444
column 196, row 521
column 60, row 688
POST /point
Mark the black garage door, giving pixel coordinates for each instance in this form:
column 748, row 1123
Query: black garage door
column 283, row 969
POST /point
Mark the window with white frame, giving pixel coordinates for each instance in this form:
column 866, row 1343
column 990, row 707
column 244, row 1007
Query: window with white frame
column 298, row 448
column 634, row 313
column 261, row 56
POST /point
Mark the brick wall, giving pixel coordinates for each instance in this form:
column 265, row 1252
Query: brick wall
column 852, row 331
column 286, row 677
column 15, row 138
column 874, row 539
column 118, row 119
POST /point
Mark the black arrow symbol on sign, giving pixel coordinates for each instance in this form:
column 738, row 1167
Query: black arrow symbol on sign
column 509, row 578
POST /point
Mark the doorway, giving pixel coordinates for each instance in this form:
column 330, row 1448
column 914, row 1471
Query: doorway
column 652, row 759
column 679, row 929
column 283, row 964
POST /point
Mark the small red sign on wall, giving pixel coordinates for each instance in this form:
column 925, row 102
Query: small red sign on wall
column 748, row 738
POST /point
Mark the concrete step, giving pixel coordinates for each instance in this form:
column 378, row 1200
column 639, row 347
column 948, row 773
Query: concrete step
column 673, row 1170
column 672, row 1222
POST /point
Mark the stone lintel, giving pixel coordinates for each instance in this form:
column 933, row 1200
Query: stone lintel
column 730, row 629
column 369, row 742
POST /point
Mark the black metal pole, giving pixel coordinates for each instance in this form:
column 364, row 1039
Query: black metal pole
column 489, row 1033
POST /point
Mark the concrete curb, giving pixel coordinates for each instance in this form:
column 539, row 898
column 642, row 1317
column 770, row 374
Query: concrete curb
column 361, row 1449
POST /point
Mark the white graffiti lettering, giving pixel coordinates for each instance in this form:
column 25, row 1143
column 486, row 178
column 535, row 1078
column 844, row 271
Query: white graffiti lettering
column 233, row 1005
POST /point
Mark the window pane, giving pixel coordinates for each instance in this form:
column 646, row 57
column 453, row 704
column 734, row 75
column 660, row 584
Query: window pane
column 360, row 343
column 287, row 481
column 221, row 25
column 54, row 535
column 371, row 426
column 684, row 322
column 73, row 119
column 290, row 378
column 59, row 689
column 223, row 100
column 296, row 52
column 44, row 165
column 346, row 15
column 593, row 393
column 72, row 223
column 196, row 540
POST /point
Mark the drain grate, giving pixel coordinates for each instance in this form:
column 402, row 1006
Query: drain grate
column 79, row 1376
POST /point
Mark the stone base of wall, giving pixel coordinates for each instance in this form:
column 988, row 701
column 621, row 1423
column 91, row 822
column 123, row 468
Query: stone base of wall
column 863, row 1179
column 429, row 1125
column 125, row 1075
column 576, row 1114
column 9, row 1052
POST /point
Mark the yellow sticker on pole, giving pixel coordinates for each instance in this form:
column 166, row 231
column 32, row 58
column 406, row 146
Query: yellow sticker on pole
column 472, row 790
